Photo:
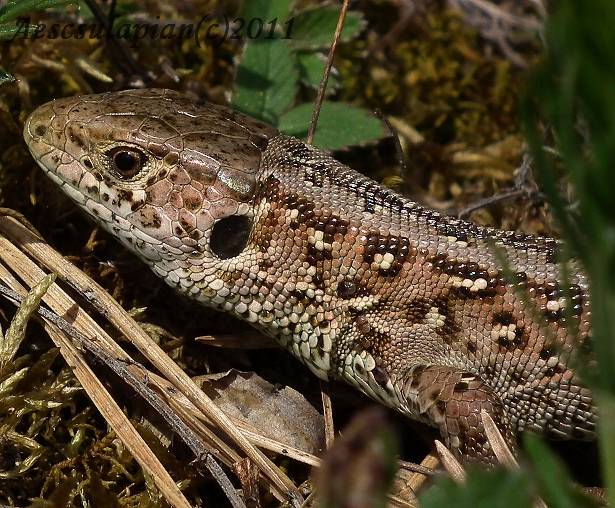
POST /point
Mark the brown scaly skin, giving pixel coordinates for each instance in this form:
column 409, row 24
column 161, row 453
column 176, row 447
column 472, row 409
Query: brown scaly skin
column 356, row 281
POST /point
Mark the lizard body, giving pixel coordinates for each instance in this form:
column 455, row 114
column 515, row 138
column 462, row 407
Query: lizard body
column 356, row 281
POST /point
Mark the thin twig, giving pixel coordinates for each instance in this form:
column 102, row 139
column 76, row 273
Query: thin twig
column 19, row 217
column 407, row 9
column 238, row 341
column 416, row 468
column 524, row 186
column 106, row 404
column 188, row 436
column 491, row 200
column 524, row 174
column 416, row 480
column 325, row 78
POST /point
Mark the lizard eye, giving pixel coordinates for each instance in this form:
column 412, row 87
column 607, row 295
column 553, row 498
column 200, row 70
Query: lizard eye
column 126, row 161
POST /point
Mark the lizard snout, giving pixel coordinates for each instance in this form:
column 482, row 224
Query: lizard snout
column 37, row 128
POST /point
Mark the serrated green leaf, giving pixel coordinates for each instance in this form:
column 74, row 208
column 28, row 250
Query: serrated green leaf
column 16, row 8
column 265, row 10
column 267, row 80
column 5, row 77
column 493, row 489
column 311, row 68
column 339, row 125
column 314, row 28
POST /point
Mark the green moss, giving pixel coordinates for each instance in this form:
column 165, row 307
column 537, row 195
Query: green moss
column 438, row 79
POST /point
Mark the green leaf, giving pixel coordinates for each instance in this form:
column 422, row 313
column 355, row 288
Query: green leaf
column 267, row 80
column 5, row 77
column 311, row 68
column 16, row 8
column 20, row 30
column 266, row 10
column 314, row 28
column 554, row 482
column 493, row 489
column 339, row 125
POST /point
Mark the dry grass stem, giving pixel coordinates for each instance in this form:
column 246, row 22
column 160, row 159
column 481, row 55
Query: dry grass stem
column 450, row 463
column 93, row 386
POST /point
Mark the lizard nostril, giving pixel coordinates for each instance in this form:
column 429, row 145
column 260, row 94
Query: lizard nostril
column 40, row 130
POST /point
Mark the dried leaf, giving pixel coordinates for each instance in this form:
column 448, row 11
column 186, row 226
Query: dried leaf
column 281, row 414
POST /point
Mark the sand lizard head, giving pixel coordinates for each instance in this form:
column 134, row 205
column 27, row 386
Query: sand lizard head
column 168, row 176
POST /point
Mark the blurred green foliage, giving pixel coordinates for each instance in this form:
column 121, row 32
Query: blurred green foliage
column 572, row 96
column 484, row 489
column 569, row 101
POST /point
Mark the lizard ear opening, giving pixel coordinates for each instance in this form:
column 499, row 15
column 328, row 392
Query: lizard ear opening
column 229, row 236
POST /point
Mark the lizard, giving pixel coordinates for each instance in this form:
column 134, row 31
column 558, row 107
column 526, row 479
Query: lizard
column 359, row 283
